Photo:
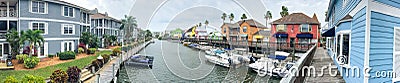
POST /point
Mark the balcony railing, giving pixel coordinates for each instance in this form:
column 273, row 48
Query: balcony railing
column 3, row 13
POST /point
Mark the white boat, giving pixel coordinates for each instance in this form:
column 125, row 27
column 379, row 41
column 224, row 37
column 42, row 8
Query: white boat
column 270, row 66
column 241, row 52
column 220, row 57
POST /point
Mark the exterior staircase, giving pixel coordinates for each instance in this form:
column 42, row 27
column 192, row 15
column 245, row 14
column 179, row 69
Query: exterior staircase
column 85, row 75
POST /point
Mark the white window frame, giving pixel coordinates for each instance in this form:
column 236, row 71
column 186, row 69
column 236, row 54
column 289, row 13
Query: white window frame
column 69, row 26
column 63, row 43
column 397, row 75
column 45, row 7
column 244, row 28
column 46, row 28
column 284, row 28
column 68, row 7
column 348, row 32
column 308, row 28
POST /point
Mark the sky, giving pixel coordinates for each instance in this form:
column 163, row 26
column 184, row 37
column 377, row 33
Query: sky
column 161, row 15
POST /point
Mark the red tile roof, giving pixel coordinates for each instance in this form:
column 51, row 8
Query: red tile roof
column 252, row 23
column 297, row 18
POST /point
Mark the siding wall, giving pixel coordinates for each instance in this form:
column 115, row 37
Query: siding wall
column 381, row 51
column 341, row 11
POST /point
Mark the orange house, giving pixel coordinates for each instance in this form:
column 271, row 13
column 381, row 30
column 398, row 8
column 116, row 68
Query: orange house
column 249, row 28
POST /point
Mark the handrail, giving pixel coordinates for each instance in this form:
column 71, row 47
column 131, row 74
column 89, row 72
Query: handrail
column 304, row 60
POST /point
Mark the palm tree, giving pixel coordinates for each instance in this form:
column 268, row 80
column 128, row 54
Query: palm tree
column 206, row 22
column 267, row 16
column 243, row 17
column 223, row 17
column 129, row 24
column 284, row 11
column 34, row 37
column 15, row 41
column 231, row 17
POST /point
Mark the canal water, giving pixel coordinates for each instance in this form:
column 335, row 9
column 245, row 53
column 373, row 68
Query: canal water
column 191, row 58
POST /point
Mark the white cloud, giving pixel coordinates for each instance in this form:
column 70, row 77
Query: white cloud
column 114, row 8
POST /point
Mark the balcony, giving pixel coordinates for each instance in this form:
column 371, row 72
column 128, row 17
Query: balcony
column 3, row 13
column 8, row 8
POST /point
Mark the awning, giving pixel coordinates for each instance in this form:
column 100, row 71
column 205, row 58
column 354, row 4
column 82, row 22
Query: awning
column 329, row 33
column 281, row 35
column 304, row 35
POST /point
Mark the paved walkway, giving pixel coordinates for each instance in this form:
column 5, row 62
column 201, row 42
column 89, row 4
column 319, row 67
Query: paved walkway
column 320, row 59
column 106, row 72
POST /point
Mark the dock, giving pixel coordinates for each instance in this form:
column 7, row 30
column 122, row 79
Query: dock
column 320, row 59
column 109, row 71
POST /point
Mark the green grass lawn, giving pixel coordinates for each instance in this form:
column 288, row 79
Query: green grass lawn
column 47, row 71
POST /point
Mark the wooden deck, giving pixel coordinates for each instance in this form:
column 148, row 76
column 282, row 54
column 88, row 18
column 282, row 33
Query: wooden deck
column 320, row 59
column 3, row 66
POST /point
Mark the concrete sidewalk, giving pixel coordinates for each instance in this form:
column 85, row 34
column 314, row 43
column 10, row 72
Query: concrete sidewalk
column 320, row 59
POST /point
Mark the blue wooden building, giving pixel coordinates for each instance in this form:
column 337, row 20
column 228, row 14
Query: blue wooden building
column 364, row 35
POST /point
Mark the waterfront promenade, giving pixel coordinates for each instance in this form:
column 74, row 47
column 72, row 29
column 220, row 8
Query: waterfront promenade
column 319, row 60
column 106, row 73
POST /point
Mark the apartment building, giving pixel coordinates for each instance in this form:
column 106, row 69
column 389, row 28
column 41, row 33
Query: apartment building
column 60, row 21
column 102, row 24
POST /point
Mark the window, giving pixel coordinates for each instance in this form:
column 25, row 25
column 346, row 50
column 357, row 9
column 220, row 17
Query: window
column 281, row 40
column 396, row 54
column 38, row 7
column 67, row 46
column 304, row 40
column 280, row 28
column 305, row 28
column 224, row 30
column 245, row 29
column 343, row 49
column 39, row 26
column 68, row 11
column 68, row 29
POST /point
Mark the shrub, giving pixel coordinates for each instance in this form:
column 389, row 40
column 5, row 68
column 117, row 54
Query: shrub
column 59, row 76
column 81, row 50
column 10, row 79
column 92, row 50
column 67, row 55
column 32, row 79
column 21, row 58
column 116, row 51
column 106, row 57
column 31, row 62
column 50, row 55
column 97, row 64
column 73, row 74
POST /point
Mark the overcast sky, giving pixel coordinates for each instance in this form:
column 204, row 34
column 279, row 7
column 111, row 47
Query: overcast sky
column 160, row 15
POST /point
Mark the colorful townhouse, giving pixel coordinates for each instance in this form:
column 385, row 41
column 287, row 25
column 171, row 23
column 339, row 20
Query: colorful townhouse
column 365, row 34
column 102, row 24
column 242, row 31
column 60, row 21
column 294, row 30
